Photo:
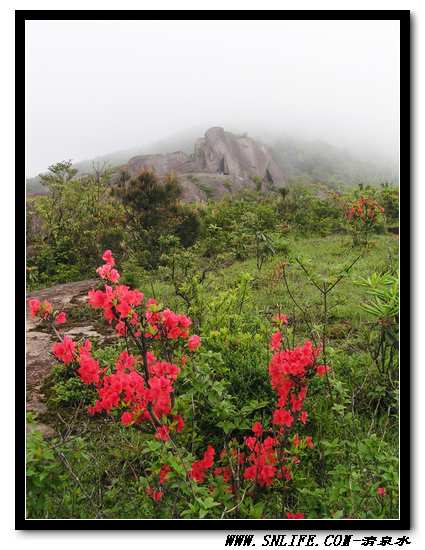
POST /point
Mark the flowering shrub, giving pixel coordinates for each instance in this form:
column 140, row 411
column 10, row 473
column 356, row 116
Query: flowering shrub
column 140, row 390
column 363, row 215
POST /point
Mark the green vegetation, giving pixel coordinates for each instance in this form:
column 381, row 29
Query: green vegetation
column 231, row 265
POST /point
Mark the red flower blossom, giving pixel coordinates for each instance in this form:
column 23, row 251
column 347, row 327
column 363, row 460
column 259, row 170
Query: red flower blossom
column 162, row 433
column 155, row 495
column 108, row 258
column 163, row 474
column 180, row 423
column 64, row 350
column 194, row 342
column 275, row 341
column 97, row 299
column 280, row 319
column 89, row 370
column 126, row 362
column 34, row 306
column 296, row 515
column 283, row 417
column 42, row 309
column 251, row 442
column 309, row 441
column 199, row 468
column 127, row 419
column 304, row 417
column 257, row 428
column 321, row 370
column 107, row 272
column 60, row 318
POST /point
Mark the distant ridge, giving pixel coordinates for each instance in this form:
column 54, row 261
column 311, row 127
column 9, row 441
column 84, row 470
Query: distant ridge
column 311, row 160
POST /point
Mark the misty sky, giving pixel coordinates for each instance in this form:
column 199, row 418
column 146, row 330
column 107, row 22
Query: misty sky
column 95, row 87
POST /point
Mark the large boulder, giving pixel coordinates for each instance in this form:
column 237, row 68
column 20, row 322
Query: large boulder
column 241, row 156
column 161, row 164
column 69, row 297
column 221, row 162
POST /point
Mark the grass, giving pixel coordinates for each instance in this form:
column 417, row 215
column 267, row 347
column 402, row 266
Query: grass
column 325, row 256
column 355, row 426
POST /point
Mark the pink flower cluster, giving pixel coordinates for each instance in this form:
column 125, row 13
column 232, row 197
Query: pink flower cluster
column 141, row 384
column 44, row 310
column 107, row 270
column 126, row 386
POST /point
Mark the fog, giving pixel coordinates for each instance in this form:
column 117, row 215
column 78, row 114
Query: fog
column 95, row 87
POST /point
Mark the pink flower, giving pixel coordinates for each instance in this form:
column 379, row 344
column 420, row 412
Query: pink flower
column 126, row 362
column 303, row 417
column 163, row 474
column 97, row 298
column 155, row 495
column 321, row 370
column 123, row 309
column 180, row 423
column 60, row 318
column 120, row 328
column 381, row 491
column 297, row 515
column 282, row 417
column 309, row 441
column 107, row 272
column 162, row 433
column 194, row 342
column 276, row 341
column 34, row 306
column 42, row 309
column 89, row 370
column 64, row 351
column 114, row 276
column 257, row 428
column 250, row 442
column 280, row 319
column 108, row 258
column 126, row 418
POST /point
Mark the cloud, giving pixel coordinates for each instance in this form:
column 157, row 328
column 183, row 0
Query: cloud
column 94, row 87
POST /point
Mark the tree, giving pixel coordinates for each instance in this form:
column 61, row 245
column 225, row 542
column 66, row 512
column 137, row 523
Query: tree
column 58, row 176
column 153, row 211
column 76, row 219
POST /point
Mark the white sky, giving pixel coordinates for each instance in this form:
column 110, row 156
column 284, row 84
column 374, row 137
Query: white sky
column 94, row 87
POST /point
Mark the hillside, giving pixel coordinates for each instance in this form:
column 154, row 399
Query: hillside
column 310, row 160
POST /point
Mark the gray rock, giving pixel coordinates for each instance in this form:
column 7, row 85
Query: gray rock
column 241, row 156
column 221, row 161
column 161, row 164
column 39, row 341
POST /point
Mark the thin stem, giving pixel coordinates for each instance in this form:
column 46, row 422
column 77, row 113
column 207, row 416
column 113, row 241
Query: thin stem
column 234, row 507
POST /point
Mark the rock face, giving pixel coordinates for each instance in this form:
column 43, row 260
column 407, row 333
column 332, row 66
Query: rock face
column 161, row 164
column 240, row 156
column 221, row 162
column 39, row 341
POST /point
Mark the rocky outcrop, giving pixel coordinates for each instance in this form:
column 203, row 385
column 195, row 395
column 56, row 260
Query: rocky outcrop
column 161, row 164
column 221, row 162
column 241, row 156
column 39, row 340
